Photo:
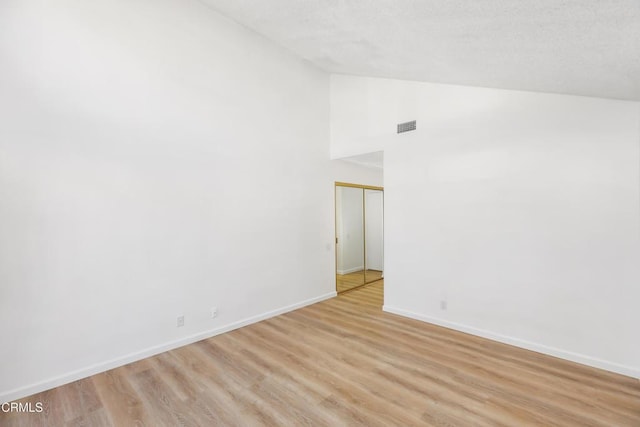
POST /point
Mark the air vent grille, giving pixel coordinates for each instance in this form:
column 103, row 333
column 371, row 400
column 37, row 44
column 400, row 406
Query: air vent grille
column 407, row 126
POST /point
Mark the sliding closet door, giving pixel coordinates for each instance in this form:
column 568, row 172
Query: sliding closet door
column 359, row 235
column 349, row 238
column 374, row 231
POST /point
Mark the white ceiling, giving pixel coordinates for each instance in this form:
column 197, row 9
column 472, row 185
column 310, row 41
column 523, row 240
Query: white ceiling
column 580, row 47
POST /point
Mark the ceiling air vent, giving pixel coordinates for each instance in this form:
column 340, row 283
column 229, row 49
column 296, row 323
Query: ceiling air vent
column 407, row 126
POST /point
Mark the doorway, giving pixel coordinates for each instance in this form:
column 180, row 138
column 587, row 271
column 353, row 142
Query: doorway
column 359, row 235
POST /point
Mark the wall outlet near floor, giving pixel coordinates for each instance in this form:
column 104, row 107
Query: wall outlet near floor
column 214, row 312
column 443, row 305
column 180, row 321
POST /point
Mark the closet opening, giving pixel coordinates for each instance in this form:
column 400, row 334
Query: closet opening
column 359, row 235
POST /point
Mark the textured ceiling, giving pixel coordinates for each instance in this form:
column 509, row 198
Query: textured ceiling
column 580, row 47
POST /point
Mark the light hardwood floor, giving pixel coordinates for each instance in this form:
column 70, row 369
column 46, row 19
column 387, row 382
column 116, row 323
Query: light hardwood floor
column 346, row 282
column 344, row 362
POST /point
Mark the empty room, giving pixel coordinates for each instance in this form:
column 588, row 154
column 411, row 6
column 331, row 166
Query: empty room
column 325, row 213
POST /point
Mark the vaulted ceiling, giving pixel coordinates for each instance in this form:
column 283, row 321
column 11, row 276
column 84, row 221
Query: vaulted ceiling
column 579, row 47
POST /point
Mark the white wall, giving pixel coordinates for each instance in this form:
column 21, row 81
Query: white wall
column 520, row 210
column 156, row 160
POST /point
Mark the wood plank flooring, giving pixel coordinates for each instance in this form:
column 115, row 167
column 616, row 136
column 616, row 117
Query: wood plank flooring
column 346, row 282
column 343, row 362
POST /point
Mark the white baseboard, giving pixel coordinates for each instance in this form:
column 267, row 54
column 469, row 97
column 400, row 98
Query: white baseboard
column 350, row 270
column 19, row 393
column 540, row 348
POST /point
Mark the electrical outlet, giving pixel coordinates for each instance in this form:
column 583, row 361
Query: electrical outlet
column 214, row 312
column 443, row 305
column 180, row 321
